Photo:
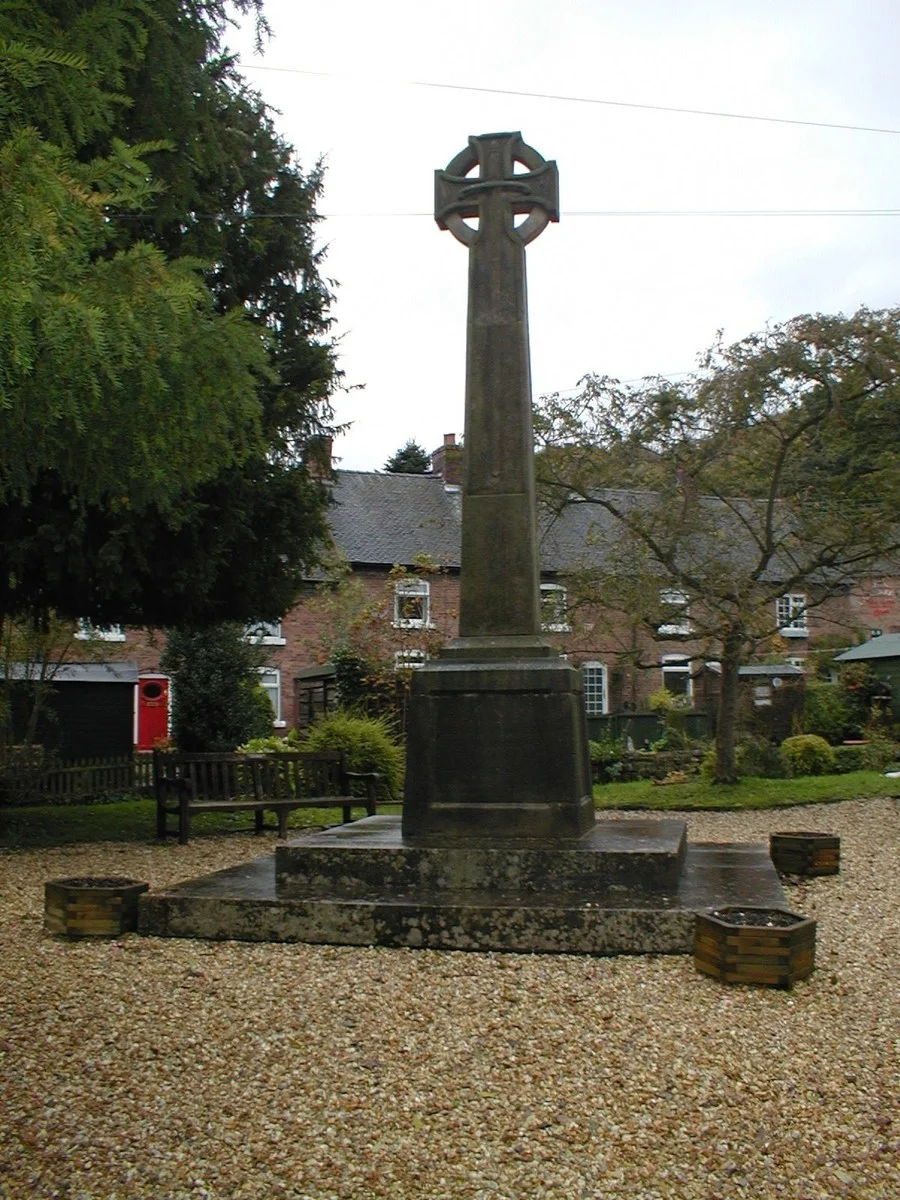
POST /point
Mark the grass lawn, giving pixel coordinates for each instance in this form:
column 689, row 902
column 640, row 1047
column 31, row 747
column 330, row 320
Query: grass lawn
column 130, row 820
column 699, row 793
column 134, row 820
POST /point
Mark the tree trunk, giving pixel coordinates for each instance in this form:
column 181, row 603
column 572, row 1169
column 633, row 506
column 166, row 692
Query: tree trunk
column 727, row 714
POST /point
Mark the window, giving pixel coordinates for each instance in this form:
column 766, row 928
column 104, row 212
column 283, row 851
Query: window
column 86, row 632
column 411, row 604
column 409, row 660
column 676, row 675
column 790, row 615
column 674, row 606
column 270, row 682
column 553, row 608
column 593, row 676
column 266, row 633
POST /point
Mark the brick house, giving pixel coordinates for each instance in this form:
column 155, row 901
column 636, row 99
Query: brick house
column 379, row 521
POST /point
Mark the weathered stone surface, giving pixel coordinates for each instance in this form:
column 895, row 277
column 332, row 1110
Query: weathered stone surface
column 243, row 904
column 497, row 750
column 496, row 734
column 637, row 858
column 499, row 594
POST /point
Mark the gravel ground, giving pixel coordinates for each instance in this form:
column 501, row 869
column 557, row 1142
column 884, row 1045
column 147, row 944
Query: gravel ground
column 160, row 1068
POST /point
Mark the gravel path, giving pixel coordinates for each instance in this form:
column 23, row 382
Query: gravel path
column 157, row 1068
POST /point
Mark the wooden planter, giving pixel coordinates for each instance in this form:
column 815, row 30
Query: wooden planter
column 805, row 853
column 91, row 907
column 755, row 945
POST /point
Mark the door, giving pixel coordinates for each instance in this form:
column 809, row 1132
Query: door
column 153, row 710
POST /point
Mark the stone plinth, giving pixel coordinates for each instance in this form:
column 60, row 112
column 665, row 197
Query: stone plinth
column 497, row 749
column 629, row 887
column 371, row 858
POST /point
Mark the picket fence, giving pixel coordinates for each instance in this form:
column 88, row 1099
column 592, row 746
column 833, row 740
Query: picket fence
column 31, row 782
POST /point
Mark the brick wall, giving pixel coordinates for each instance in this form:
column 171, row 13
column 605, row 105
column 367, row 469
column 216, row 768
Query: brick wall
column 312, row 628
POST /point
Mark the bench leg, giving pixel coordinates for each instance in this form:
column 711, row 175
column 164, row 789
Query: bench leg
column 347, row 814
column 258, row 815
column 282, row 823
column 184, row 819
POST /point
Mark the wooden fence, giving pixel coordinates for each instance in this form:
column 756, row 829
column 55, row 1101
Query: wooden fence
column 29, row 780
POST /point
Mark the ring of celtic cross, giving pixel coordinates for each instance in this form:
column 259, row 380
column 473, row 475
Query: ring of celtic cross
column 535, row 192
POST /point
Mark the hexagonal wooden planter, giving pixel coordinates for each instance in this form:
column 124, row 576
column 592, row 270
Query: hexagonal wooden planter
column 91, row 907
column 799, row 853
column 770, row 946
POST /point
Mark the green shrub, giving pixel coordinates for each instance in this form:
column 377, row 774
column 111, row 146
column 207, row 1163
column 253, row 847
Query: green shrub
column 369, row 744
column 762, row 759
column 809, row 754
column 606, row 758
column 847, row 759
column 607, row 750
column 826, row 711
column 273, row 744
column 879, row 752
column 217, row 701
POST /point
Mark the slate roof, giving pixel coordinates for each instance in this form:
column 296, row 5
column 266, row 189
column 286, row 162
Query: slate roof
column 382, row 519
column 886, row 646
column 378, row 519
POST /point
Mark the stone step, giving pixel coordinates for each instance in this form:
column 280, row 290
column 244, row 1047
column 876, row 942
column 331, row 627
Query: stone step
column 372, row 857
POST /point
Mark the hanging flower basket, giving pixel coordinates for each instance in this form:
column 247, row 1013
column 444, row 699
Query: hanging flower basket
column 92, row 907
column 797, row 853
column 769, row 946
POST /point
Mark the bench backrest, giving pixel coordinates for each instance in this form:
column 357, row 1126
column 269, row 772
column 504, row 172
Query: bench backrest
column 279, row 776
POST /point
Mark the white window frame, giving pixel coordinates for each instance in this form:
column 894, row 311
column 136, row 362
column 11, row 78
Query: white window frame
column 273, row 691
column 264, row 633
column 589, row 671
column 790, row 615
column 86, row 632
column 680, row 625
column 555, row 608
column 409, row 660
column 416, row 589
column 677, row 664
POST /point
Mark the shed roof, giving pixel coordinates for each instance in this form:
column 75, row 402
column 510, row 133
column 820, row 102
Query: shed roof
column 885, row 646
column 114, row 672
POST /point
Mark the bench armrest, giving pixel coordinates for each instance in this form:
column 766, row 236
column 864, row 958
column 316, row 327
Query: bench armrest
column 370, row 778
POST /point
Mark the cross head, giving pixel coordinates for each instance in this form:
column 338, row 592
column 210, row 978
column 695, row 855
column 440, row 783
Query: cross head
column 458, row 195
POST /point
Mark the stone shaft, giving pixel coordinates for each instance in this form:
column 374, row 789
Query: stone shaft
column 499, row 585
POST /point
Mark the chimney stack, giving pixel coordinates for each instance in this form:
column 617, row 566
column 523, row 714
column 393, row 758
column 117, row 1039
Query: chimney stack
column 319, row 457
column 446, row 461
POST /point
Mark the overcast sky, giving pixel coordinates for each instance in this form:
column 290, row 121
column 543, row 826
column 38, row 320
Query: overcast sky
column 626, row 284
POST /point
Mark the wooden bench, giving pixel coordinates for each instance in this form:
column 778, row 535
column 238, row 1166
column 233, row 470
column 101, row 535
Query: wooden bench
column 185, row 784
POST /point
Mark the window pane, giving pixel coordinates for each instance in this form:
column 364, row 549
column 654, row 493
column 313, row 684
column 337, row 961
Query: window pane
column 676, row 676
column 594, row 678
column 270, row 681
column 553, row 607
column 411, row 603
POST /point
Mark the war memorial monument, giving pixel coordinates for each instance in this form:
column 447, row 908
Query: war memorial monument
column 498, row 846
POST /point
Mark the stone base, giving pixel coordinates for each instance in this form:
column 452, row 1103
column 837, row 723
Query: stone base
column 371, row 858
column 330, row 890
column 497, row 749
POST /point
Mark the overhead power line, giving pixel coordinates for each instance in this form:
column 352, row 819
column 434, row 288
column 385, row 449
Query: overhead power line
column 667, row 108
column 611, row 212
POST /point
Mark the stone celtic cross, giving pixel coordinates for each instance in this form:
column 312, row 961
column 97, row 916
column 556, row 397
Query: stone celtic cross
column 499, row 585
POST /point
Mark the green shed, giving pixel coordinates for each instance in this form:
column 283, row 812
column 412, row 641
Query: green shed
column 883, row 653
